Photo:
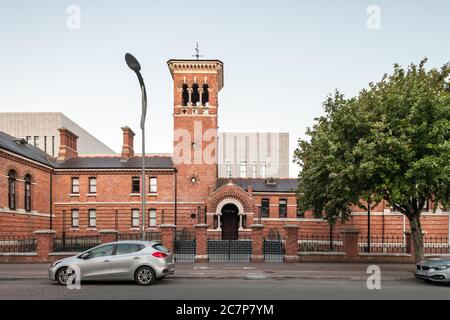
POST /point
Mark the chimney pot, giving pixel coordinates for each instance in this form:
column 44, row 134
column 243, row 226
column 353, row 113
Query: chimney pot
column 67, row 144
column 128, row 142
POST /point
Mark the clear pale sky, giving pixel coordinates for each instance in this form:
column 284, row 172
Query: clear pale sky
column 281, row 58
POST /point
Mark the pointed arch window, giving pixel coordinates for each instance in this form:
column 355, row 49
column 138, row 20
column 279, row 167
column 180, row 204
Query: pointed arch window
column 12, row 189
column 195, row 97
column 205, row 95
column 27, row 192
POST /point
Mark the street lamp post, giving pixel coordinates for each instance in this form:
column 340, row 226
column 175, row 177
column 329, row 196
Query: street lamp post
column 134, row 65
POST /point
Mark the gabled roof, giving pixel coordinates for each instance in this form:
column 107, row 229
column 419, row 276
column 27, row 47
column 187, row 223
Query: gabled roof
column 262, row 185
column 26, row 150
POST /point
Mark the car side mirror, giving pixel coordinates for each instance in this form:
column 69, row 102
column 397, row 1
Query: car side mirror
column 85, row 256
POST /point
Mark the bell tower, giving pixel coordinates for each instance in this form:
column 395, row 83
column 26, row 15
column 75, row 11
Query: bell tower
column 196, row 85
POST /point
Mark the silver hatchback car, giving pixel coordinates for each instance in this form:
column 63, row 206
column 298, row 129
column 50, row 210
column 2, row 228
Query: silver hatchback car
column 434, row 269
column 141, row 261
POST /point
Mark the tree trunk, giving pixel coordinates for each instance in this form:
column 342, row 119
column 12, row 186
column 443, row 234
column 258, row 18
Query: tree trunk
column 417, row 236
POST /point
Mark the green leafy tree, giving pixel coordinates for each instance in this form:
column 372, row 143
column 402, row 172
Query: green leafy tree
column 390, row 142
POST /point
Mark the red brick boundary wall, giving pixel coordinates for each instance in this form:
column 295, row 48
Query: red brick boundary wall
column 45, row 251
column 291, row 246
column 201, row 254
column 257, row 243
column 168, row 235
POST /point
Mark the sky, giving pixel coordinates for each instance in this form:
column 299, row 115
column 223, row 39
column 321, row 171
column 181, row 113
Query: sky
column 281, row 58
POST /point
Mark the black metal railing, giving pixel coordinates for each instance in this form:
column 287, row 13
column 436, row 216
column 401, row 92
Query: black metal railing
column 382, row 244
column 149, row 236
column 320, row 243
column 185, row 246
column 435, row 245
column 12, row 244
column 273, row 250
column 220, row 250
column 75, row 243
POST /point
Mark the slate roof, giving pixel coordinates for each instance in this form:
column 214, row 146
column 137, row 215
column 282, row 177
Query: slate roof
column 24, row 149
column 261, row 185
column 100, row 162
column 153, row 162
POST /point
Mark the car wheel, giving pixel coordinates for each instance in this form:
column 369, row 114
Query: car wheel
column 62, row 276
column 144, row 276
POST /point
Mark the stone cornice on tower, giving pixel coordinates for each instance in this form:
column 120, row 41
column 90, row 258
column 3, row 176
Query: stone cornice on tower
column 194, row 66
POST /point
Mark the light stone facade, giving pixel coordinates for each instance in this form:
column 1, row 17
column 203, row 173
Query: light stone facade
column 253, row 155
column 41, row 129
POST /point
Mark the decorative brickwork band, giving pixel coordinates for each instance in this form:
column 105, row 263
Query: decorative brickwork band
column 257, row 243
column 291, row 254
column 350, row 240
column 168, row 235
column 200, row 243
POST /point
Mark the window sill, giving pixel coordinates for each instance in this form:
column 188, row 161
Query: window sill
column 135, row 229
column 74, row 195
column 74, row 229
column 91, row 194
column 152, row 194
column 91, row 229
column 135, row 194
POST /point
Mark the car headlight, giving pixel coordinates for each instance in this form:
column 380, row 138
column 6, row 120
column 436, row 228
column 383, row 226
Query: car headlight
column 55, row 263
column 440, row 268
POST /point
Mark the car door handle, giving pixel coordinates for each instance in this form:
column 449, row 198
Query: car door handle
column 136, row 258
column 106, row 261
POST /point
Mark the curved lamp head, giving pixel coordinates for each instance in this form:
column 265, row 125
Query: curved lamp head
column 132, row 62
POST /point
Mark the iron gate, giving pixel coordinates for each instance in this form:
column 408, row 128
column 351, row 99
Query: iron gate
column 229, row 250
column 273, row 250
column 184, row 246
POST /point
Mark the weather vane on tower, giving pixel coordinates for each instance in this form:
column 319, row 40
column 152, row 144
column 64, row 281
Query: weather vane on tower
column 197, row 52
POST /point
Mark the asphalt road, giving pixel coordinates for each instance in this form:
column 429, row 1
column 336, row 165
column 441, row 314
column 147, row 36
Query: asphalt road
column 235, row 289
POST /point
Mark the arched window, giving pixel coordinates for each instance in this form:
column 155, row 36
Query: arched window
column 185, row 95
column 195, row 97
column 205, row 95
column 27, row 192
column 12, row 189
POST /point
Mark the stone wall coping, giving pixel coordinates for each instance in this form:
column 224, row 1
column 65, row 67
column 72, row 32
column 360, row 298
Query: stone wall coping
column 291, row 226
column 408, row 232
column 108, row 231
column 65, row 253
column 167, row 225
column 366, row 254
column 44, row 232
column 315, row 253
column 201, row 225
column 18, row 254
column 350, row 231
column 257, row 226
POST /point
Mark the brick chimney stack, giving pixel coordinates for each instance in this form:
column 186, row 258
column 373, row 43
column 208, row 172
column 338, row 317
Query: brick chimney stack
column 127, row 147
column 67, row 144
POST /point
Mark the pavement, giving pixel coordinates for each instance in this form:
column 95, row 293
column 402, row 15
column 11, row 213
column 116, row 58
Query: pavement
column 249, row 271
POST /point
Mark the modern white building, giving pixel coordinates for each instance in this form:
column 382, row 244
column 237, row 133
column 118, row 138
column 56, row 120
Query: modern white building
column 253, row 155
column 41, row 130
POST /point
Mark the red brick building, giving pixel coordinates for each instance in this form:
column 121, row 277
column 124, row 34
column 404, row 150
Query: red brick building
column 83, row 195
